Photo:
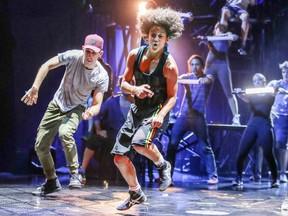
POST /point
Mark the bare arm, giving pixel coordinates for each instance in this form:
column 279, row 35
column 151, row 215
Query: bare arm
column 206, row 80
column 142, row 91
column 95, row 108
column 171, row 74
column 31, row 95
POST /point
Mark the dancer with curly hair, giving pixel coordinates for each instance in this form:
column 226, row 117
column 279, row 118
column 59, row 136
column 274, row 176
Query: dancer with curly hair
column 155, row 91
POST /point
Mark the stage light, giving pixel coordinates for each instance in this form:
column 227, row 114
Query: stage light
column 188, row 81
column 263, row 90
column 142, row 9
column 146, row 5
column 260, row 90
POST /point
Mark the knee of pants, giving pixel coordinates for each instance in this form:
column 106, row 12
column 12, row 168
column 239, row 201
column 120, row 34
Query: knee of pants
column 66, row 136
column 42, row 149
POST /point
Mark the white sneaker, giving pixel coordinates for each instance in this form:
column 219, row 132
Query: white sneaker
column 236, row 120
column 283, row 178
column 212, row 181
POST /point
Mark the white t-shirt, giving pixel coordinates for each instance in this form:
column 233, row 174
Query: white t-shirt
column 78, row 82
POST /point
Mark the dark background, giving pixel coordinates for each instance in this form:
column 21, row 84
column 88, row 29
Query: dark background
column 32, row 31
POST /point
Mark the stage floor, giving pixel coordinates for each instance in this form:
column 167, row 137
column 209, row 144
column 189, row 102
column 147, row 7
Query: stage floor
column 190, row 196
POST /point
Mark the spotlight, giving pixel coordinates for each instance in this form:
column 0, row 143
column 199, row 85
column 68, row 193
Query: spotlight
column 146, row 5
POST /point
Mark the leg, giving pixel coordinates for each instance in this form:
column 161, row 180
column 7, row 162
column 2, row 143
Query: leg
column 93, row 145
column 283, row 159
column 244, row 27
column 244, row 32
column 281, row 137
column 266, row 139
column 178, row 131
column 128, row 172
column 164, row 167
column 67, row 129
column 246, row 143
column 225, row 15
column 88, row 154
column 201, row 132
column 225, row 78
column 46, row 132
column 259, row 161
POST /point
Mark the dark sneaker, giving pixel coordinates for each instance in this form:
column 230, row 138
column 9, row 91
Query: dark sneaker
column 165, row 176
column 275, row 184
column 75, row 181
column 237, row 182
column 256, row 178
column 134, row 199
column 49, row 186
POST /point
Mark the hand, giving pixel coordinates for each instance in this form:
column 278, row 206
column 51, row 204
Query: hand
column 203, row 80
column 103, row 133
column 157, row 121
column 234, row 37
column 203, row 38
column 143, row 91
column 30, row 96
column 87, row 114
column 237, row 90
column 282, row 91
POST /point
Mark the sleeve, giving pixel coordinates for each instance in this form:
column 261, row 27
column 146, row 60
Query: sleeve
column 103, row 81
column 66, row 57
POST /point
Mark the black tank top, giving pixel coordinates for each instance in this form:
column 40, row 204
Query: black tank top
column 155, row 79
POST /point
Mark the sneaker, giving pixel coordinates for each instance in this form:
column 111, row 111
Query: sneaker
column 275, row 184
column 213, row 180
column 242, row 51
column 49, row 186
column 236, row 120
column 75, row 181
column 165, row 176
column 83, row 175
column 134, row 199
column 237, row 182
column 283, row 178
column 256, row 178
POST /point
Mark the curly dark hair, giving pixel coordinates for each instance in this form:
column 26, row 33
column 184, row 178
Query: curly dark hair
column 164, row 17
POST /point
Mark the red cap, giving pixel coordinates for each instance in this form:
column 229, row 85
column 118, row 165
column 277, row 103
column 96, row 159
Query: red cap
column 94, row 42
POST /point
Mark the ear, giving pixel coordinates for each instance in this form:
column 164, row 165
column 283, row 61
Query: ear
column 101, row 53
